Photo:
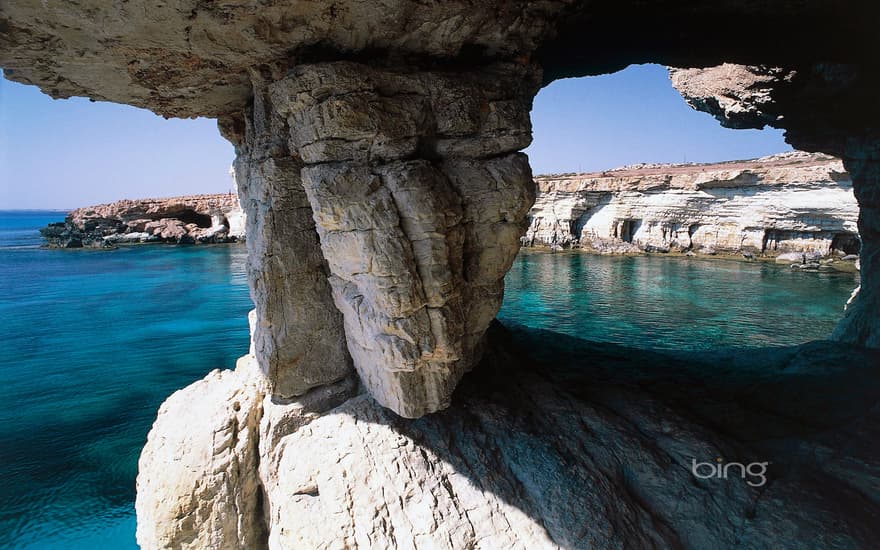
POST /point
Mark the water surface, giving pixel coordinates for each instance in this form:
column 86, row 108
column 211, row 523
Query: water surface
column 93, row 341
column 673, row 302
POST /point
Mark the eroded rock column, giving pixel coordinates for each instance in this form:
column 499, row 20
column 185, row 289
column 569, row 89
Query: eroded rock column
column 297, row 333
column 861, row 323
column 419, row 198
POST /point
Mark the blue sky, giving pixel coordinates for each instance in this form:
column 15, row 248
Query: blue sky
column 632, row 116
column 69, row 153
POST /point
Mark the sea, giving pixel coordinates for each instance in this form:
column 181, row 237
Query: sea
column 92, row 342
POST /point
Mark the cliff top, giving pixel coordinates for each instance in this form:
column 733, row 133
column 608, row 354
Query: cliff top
column 795, row 167
column 792, row 159
column 128, row 209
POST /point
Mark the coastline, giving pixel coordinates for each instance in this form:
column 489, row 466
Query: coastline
column 191, row 219
column 798, row 203
column 845, row 266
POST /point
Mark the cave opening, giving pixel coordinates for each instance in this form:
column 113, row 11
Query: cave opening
column 664, row 218
column 188, row 216
column 657, row 278
column 846, row 243
column 628, row 229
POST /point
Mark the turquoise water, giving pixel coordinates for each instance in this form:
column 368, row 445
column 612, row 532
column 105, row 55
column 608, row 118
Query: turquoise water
column 94, row 341
column 662, row 302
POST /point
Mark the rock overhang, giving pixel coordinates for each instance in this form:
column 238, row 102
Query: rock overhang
column 240, row 60
column 215, row 59
column 192, row 58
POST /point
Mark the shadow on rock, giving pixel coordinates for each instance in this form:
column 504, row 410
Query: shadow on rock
column 558, row 442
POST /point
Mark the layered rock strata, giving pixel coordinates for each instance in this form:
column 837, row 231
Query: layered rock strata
column 788, row 203
column 180, row 220
column 198, row 59
column 418, row 197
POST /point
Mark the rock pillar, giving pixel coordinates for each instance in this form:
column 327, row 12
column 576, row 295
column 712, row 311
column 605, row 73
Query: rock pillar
column 415, row 186
column 861, row 323
column 297, row 333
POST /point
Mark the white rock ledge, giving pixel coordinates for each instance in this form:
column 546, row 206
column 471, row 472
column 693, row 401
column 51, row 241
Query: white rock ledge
column 786, row 203
column 570, row 455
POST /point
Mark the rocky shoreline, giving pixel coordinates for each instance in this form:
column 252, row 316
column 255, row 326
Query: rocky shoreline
column 802, row 261
column 194, row 219
column 547, row 426
column 791, row 203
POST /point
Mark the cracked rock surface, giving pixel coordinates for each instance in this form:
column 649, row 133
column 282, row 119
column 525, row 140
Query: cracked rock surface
column 577, row 453
column 418, row 197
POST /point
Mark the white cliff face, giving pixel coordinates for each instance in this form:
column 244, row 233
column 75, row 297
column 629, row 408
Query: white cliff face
column 197, row 482
column 236, row 218
column 792, row 202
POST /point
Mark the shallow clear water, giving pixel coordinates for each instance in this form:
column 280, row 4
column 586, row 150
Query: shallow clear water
column 94, row 341
column 663, row 302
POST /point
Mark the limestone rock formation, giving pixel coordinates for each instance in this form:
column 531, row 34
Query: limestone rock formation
column 792, row 202
column 586, row 446
column 314, row 90
column 412, row 185
column 198, row 483
column 191, row 219
column 377, row 161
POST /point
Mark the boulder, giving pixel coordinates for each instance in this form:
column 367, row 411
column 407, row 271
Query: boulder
column 198, row 485
column 791, row 257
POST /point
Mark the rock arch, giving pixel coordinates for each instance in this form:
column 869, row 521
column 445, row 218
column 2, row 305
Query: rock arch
column 383, row 159
column 377, row 162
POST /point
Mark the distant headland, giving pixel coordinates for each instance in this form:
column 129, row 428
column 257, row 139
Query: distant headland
column 192, row 219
